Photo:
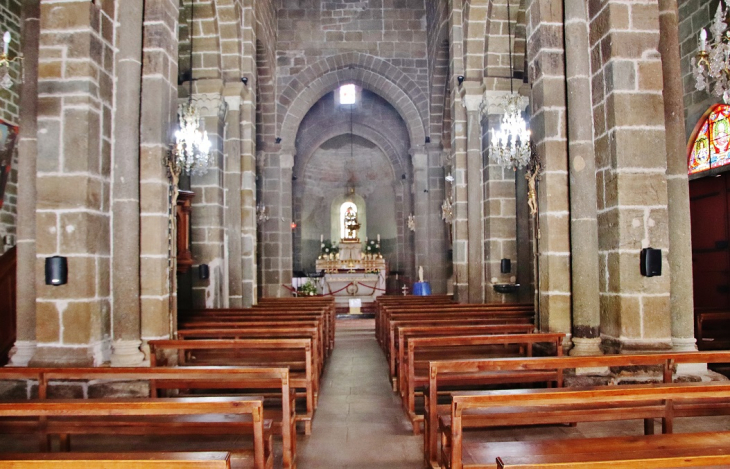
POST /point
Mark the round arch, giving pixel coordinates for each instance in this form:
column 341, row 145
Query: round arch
column 366, row 71
column 331, row 130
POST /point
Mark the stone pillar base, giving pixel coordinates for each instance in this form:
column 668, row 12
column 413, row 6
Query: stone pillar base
column 127, row 353
column 583, row 347
column 22, row 352
column 688, row 345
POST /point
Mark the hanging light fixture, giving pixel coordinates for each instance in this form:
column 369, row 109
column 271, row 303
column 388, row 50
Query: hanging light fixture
column 191, row 151
column 712, row 62
column 5, row 81
column 510, row 146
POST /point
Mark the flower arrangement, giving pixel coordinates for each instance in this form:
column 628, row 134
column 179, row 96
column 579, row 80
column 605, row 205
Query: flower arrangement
column 327, row 248
column 308, row 289
column 372, row 247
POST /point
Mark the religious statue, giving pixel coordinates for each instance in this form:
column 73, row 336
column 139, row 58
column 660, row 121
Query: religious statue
column 532, row 177
column 351, row 224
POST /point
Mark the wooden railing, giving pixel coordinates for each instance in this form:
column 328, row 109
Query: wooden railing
column 8, row 262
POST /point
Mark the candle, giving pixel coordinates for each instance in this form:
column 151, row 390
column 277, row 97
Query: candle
column 378, row 237
column 703, row 40
column 321, row 238
column 6, row 41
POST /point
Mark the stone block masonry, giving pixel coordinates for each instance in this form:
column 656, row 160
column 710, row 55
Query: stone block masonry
column 10, row 113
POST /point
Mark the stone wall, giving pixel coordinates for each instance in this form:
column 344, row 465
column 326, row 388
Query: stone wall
column 631, row 171
column 693, row 16
column 392, row 30
column 9, row 112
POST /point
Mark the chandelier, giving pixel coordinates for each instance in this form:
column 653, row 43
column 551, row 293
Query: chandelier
column 510, row 146
column 192, row 147
column 191, row 151
column 713, row 60
column 5, row 81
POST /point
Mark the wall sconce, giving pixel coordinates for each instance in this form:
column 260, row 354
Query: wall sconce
column 204, row 272
column 505, row 266
column 244, row 80
column 56, row 271
column 278, row 139
column 460, row 79
column 261, row 215
column 449, row 178
column 447, row 211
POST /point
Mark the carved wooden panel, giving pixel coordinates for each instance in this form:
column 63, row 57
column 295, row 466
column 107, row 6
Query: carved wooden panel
column 184, row 255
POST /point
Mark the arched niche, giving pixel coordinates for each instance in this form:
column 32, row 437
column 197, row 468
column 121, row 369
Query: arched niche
column 362, row 216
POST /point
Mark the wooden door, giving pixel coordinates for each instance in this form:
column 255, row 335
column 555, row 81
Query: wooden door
column 709, row 202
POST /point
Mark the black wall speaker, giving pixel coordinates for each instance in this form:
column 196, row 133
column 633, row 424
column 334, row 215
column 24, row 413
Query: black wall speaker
column 651, row 262
column 505, row 266
column 56, row 271
column 204, row 272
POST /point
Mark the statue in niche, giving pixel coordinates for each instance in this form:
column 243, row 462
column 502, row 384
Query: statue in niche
column 351, row 225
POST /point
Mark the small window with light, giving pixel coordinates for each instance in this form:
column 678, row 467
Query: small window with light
column 348, row 94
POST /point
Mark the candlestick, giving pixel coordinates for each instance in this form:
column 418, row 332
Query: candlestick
column 6, row 42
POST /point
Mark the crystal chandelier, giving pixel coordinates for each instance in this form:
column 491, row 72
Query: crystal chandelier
column 192, row 147
column 5, row 81
column 713, row 60
column 510, row 146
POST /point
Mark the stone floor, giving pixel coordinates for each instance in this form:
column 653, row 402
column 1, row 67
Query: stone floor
column 359, row 423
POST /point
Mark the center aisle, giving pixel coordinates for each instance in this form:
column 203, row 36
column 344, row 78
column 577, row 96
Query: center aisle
column 359, row 423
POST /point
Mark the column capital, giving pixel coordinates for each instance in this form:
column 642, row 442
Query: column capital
column 472, row 95
column 419, row 160
column 286, row 160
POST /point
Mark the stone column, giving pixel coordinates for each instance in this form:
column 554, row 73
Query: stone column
column 680, row 235
column 582, row 167
column 632, row 164
column 472, row 102
column 248, row 201
column 277, row 231
column 438, row 231
column 548, row 123
column 208, row 233
column 25, row 343
column 420, row 211
column 74, row 168
column 126, row 313
column 232, row 181
column 158, row 118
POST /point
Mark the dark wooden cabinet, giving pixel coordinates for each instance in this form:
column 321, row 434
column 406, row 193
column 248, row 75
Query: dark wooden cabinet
column 184, row 255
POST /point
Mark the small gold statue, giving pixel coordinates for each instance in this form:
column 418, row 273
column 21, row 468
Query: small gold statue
column 351, row 225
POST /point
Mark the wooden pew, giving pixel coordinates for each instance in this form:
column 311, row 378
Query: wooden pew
column 423, row 349
column 655, row 451
column 253, row 332
column 393, row 300
column 569, row 405
column 145, row 460
column 402, row 332
column 296, row 354
column 453, row 370
column 185, row 379
column 174, row 416
column 484, row 317
column 438, row 309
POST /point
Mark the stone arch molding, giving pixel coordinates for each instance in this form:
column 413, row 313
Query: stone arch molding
column 360, row 130
column 365, row 70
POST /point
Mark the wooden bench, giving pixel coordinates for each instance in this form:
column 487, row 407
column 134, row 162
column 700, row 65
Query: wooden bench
column 175, row 416
column 186, row 379
column 484, row 317
column 627, row 452
column 448, row 371
column 435, row 308
column 402, row 332
column 383, row 301
column 294, row 354
column 569, row 405
column 253, row 332
column 421, row 350
column 145, row 460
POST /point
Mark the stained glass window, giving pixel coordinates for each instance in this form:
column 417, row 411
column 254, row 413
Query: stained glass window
column 711, row 147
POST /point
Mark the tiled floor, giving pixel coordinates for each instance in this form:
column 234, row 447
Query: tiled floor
column 359, row 423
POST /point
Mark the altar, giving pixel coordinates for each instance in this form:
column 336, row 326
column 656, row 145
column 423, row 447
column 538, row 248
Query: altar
column 350, row 273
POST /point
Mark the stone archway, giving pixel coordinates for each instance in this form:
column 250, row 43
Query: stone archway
column 366, row 71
